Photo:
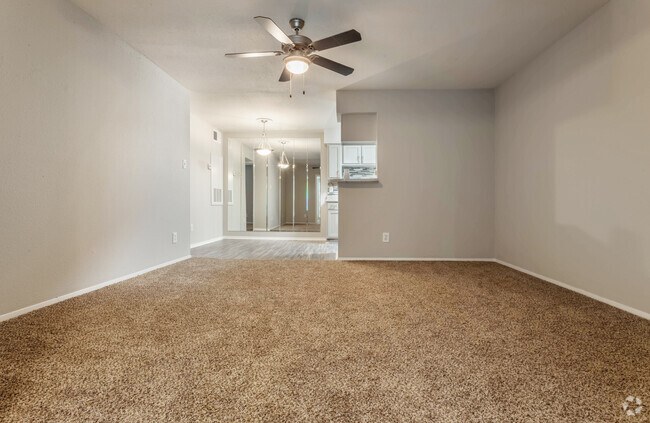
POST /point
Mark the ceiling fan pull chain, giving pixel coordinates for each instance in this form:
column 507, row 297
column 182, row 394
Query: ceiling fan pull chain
column 290, row 82
column 303, row 84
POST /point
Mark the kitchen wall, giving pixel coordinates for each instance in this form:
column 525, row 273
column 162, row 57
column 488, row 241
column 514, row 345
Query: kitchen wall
column 206, row 219
column 573, row 155
column 435, row 196
column 93, row 138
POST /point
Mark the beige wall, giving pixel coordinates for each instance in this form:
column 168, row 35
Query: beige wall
column 436, row 171
column 573, row 159
column 92, row 141
column 206, row 219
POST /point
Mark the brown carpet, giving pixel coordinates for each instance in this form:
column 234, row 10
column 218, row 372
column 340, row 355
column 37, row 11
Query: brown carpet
column 279, row 341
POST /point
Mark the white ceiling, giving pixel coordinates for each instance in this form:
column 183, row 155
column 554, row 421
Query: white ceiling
column 407, row 44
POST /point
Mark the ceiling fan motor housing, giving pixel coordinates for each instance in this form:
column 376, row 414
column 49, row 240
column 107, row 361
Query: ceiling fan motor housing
column 301, row 45
column 297, row 24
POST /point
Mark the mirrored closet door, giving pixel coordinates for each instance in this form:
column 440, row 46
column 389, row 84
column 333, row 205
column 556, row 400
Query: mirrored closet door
column 278, row 191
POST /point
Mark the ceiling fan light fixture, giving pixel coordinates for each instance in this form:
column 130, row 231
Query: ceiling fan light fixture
column 297, row 65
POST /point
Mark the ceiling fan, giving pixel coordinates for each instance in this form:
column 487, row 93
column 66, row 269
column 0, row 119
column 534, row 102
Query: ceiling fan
column 299, row 51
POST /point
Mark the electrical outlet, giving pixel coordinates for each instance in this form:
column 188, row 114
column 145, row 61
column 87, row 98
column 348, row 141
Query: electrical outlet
column 184, row 164
column 174, row 237
column 386, row 237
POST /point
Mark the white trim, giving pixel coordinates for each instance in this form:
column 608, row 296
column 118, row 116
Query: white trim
column 578, row 290
column 64, row 297
column 276, row 238
column 25, row 310
column 411, row 259
column 210, row 241
column 612, row 303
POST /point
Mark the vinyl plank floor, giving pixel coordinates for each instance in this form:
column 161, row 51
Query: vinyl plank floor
column 253, row 249
column 312, row 227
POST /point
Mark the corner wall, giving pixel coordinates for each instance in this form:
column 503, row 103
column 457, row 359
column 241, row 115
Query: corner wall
column 93, row 138
column 573, row 159
column 435, row 195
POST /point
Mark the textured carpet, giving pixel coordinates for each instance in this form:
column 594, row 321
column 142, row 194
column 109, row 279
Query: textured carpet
column 279, row 341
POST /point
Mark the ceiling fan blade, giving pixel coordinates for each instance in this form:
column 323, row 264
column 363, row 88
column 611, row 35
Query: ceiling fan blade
column 286, row 75
column 347, row 37
column 331, row 65
column 273, row 29
column 255, row 54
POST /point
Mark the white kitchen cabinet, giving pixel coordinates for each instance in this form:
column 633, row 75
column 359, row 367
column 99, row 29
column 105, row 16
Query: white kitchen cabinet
column 359, row 154
column 334, row 161
column 351, row 154
column 332, row 221
column 368, row 154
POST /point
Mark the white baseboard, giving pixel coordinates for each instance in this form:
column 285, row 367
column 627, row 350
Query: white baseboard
column 277, row 238
column 620, row 306
column 578, row 290
column 30, row 308
column 202, row 243
column 411, row 259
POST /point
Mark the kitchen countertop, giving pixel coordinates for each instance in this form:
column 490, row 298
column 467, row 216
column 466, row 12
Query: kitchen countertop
column 358, row 180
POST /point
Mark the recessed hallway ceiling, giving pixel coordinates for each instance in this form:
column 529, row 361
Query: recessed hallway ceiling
column 415, row 44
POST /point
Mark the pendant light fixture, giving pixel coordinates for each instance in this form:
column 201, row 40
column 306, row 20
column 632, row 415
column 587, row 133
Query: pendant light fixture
column 264, row 148
column 284, row 162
